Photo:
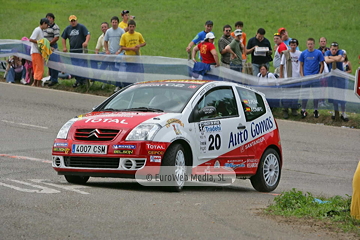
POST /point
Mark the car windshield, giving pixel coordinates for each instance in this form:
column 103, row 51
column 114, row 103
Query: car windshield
column 152, row 97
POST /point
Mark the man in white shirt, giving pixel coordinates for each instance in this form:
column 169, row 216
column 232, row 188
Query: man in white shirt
column 36, row 58
column 289, row 68
column 100, row 42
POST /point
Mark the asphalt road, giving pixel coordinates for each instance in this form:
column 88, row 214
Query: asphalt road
column 36, row 203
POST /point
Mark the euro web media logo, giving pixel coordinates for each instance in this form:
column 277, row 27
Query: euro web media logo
column 198, row 176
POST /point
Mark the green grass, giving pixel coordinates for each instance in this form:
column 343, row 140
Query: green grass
column 334, row 210
column 168, row 26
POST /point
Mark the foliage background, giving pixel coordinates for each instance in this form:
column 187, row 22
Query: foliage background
column 168, row 25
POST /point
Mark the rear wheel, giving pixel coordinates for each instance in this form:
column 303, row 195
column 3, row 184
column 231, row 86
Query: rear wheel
column 76, row 179
column 175, row 161
column 267, row 177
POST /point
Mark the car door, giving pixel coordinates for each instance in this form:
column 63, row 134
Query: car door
column 220, row 136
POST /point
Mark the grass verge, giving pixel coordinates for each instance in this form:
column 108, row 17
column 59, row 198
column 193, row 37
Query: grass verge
column 333, row 212
column 324, row 118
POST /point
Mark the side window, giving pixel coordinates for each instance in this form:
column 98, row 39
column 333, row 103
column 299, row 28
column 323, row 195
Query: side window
column 252, row 103
column 223, row 100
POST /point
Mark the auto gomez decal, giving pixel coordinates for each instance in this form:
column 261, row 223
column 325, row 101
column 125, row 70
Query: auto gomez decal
column 257, row 129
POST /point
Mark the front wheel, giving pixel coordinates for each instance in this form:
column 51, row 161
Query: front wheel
column 76, row 179
column 175, row 163
column 268, row 174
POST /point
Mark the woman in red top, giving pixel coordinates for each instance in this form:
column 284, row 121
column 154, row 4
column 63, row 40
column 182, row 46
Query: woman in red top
column 207, row 51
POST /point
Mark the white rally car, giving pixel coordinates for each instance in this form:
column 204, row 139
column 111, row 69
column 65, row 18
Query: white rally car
column 180, row 123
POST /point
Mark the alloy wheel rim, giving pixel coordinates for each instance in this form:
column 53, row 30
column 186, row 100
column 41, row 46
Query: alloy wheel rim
column 180, row 168
column 271, row 170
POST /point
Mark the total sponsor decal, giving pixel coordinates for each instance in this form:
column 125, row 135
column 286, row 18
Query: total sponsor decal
column 123, row 151
column 106, row 120
column 60, row 144
column 156, row 152
column 156, row 159
column 257, row 129
column 124, row 146
column 64, row 150
column 210, row 126
column 159, row 146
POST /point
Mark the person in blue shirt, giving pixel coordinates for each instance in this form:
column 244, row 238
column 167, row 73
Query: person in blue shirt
column 200, row 36
column 334, row 58
column 311, row 63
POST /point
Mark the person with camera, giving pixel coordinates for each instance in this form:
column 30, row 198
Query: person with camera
column 124, row 23
column 15, row 70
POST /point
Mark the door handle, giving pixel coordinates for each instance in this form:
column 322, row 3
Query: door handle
column 240, row 126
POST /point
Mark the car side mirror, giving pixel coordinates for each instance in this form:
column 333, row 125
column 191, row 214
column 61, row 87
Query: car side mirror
column 207, row 111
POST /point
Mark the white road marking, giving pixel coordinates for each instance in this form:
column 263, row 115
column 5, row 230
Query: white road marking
column 68, row 187
column 25, row 158
column 43, row 189
column 25, row 124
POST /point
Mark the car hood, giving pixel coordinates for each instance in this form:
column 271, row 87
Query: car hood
column 121, row 120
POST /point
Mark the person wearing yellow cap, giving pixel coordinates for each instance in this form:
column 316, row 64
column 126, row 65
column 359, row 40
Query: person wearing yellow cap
column 79, row 38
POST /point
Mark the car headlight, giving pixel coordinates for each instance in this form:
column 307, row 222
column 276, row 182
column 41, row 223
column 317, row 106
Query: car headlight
column 63, row 132
column 144, row 131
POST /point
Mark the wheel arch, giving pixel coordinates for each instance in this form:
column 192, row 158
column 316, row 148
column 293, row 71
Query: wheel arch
column 187, row 149
column 277, row 149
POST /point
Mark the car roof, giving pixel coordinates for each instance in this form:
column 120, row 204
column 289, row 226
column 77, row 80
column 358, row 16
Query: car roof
column 202, row 82
column 188, row 81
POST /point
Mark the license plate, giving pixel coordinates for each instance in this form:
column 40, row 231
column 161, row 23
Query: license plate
column 89, row 149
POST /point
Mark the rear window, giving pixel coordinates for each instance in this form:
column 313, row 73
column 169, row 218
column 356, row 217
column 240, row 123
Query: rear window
column 252, row 102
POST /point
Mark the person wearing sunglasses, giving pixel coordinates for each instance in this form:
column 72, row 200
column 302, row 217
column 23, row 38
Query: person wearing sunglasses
column 334, row 58
column 225, row 40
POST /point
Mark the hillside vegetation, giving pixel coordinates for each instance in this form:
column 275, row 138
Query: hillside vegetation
column 168, row 26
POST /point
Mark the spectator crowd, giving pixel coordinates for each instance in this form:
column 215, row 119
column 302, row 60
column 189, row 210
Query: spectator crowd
column 288, row 60
column 120, row 37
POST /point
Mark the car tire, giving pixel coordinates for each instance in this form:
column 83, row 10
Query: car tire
column 175, row 158
column 76, row 179
column 268, row 173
